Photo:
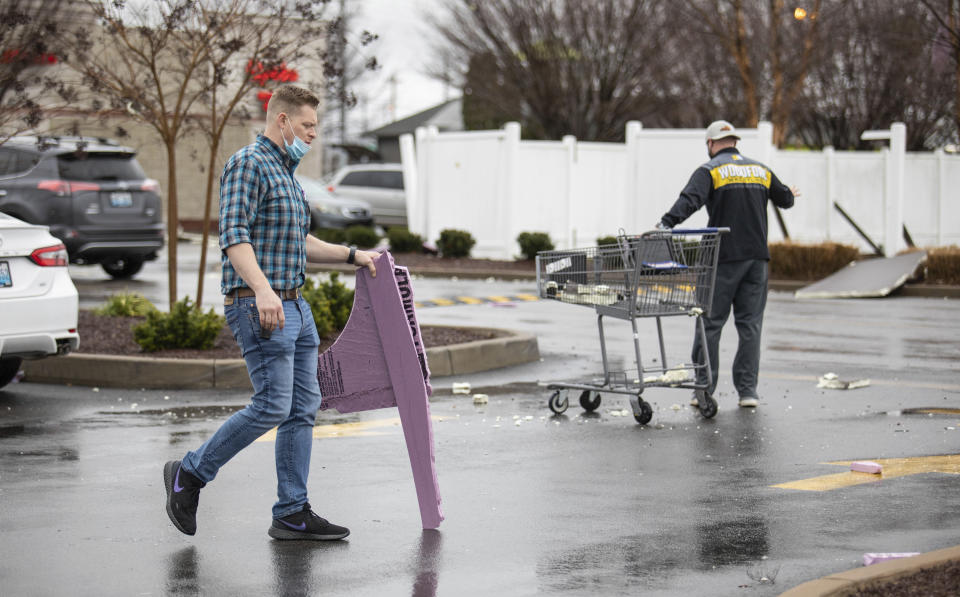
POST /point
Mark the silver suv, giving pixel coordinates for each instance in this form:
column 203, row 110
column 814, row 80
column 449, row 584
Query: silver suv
column 380, row 185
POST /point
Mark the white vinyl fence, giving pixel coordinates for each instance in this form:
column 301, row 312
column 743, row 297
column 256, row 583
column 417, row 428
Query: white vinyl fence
column 496, row 186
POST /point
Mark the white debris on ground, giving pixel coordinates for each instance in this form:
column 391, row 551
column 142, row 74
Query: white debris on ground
column 461, row 388
column 674, row 376
column 832, row 381
column 867, row 466
column 875, row 558
column 480, row 399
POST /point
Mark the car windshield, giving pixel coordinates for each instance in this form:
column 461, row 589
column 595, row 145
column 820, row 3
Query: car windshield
column 311, row 186
column 99, row 166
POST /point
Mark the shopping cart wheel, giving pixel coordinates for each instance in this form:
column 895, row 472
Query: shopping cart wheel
column 642, row 411
column 556, row 405
column 588, row 404
column 707, row 404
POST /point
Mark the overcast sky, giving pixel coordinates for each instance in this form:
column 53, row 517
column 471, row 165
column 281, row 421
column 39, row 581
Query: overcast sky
column 402, row 50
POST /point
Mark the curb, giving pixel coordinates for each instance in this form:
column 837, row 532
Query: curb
column 862, row 578
column 114, row 371
column 428, row 272
column 913, row 290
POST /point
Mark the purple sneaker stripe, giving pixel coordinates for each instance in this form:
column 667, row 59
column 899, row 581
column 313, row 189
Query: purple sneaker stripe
column 177, row 488
column 297, row 527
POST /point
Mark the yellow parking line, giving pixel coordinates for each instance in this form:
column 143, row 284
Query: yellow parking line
column 528, row 297
column 442, row 302
column 892, row 468
column 499, row 299
column 470, row 300
column 354, row 429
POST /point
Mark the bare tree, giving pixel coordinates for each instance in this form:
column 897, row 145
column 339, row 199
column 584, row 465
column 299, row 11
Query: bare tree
column 31, row 44
column 946, row 50
column 881, row 70
column 581, row 67
column 145, row 60
column 345, row 62
column 253, row 45
column 161, row 61
column 771, row 45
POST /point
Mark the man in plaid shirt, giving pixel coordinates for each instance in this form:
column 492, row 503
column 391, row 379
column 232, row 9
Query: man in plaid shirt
column 264, row 235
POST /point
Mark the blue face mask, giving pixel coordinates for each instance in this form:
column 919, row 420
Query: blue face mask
column 297, row 149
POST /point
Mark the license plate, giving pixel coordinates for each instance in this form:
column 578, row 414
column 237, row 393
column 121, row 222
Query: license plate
column 5, row 279
column 121, row 200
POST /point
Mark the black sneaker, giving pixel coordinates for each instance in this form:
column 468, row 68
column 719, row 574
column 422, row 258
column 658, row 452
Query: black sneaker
column 306, row 525
column 183, row 495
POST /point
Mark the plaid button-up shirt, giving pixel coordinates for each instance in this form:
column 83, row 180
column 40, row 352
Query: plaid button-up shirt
column 261, row 203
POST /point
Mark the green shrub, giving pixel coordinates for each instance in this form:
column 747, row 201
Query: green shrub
column 361, row 236
column 455, row 243
column 182, row 327
column 793, row 261
column 126, row 304
column 330, row 301
column 607, row 240
column 943, row 265
column 404, row 241
column 331, row 235
column 532, row 243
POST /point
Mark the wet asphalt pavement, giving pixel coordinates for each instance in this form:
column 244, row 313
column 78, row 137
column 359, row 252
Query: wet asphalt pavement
column 535, row 504
column 554, row 505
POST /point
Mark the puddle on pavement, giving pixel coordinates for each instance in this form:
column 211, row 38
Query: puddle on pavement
column 215, row 411
column 819, row 349
column 179, row 412
column 928, row 411
column 64, row 454
column 12, row 430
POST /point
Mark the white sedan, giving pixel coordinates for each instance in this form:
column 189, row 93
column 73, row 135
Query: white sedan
column 38, row 301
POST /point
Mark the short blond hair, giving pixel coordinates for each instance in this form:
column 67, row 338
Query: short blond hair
column 290, row 98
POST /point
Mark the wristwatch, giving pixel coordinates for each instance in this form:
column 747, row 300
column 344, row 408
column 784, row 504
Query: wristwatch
column 352, row 255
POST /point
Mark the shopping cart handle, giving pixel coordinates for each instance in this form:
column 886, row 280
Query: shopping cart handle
column 699, row 230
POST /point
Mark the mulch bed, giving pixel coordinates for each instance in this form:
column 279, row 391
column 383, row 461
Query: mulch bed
column 418, row 262
column 101, row 334
column 937, row 581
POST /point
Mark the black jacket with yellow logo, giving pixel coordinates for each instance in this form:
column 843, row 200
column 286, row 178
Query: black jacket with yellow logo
column 735, row 190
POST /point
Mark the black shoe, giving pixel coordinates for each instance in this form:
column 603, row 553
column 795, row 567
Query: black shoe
column 306, row 525
column 183, row 495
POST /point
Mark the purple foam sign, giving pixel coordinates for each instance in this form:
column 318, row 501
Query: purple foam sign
column 379, row 361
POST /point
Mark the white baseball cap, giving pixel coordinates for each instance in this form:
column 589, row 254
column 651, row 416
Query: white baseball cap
column 721, row 129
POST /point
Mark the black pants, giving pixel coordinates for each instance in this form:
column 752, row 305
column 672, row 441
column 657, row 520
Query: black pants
column 742, row 285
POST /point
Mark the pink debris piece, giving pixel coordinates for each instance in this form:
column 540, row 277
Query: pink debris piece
column 379, row 361
column 876, row 558
column 866, row 466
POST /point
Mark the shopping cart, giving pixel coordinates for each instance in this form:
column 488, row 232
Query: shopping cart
column 657, row 274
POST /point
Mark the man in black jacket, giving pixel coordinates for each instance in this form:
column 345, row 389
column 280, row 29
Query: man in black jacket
column 735, row 190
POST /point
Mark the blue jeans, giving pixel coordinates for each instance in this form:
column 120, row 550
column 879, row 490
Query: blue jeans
column 283, row 370
column 743, row 286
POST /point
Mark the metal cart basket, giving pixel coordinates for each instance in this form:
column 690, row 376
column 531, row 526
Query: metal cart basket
column 656, row 274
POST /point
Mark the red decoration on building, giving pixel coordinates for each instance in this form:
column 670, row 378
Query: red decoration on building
column 44, row 59
column 279, row 74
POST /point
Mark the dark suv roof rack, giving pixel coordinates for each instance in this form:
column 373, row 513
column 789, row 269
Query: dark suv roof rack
column 44, row 142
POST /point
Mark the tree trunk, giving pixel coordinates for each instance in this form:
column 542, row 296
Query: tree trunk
column 742, row 56
column 955, row 24
column 206, row 220
column 172, row 220
column 778, row 109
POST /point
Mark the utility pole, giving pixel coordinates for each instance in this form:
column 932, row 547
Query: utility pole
column 393, row 97
column 342, row 63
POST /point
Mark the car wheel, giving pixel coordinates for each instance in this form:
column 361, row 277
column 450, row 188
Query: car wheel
column 122, row 267
column 8, row 369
